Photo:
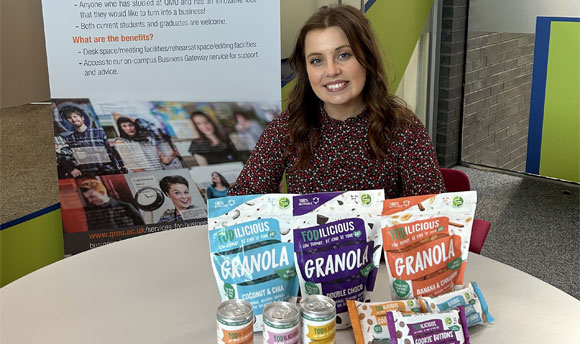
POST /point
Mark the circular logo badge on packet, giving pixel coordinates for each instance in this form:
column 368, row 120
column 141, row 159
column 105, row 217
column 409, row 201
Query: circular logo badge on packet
column 401, row 288
column 366, row 199
column 311, row 288
column 457, row 202
column 284, row 203
column 230, row 291
column 378, row 329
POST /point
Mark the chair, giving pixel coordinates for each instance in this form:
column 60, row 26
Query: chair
column 456, row 180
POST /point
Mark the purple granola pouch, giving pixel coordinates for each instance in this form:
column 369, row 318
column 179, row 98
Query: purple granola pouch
column 433, row 328
column 338, row 245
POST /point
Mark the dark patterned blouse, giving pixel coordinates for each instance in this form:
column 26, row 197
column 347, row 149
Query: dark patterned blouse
column 342, row 161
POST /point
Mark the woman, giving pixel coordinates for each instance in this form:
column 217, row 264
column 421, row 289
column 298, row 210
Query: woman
column 177, row 189
column 343, row 130
column 149, row 157
column 211, row 147
column 218, row 188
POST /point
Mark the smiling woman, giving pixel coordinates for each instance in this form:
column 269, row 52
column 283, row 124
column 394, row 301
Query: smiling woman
column 335, row 75
column 343, row 129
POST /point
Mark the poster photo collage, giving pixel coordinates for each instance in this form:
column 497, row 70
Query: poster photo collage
column 128, row 168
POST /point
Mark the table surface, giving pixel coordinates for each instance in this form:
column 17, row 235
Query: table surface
column 160, row 288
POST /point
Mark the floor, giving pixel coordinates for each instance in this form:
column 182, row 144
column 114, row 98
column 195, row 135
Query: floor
column 535, row 225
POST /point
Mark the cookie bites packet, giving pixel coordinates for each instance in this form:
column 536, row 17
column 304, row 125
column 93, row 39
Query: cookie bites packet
column 369, row 320
column 337, row 244
column 434, row 328
column 426, row 241
column 251, row 249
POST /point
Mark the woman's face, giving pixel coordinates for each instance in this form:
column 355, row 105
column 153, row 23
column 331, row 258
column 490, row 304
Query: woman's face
column 205, row 126
column 180, row 196
column 129, row 128
column 215, row 178
column 335, row 75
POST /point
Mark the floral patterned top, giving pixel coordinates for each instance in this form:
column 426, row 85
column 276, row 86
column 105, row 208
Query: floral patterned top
column 343, row 160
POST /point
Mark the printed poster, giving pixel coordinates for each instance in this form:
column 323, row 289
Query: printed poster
column 157, row 104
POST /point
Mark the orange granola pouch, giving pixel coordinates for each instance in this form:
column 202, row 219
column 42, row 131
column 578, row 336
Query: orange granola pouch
column 426, row 242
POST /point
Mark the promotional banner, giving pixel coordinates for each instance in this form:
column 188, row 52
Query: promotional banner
column 203, row 50
column 156, row 106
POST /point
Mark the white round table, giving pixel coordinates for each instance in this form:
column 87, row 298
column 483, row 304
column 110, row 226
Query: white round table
column 160, row 288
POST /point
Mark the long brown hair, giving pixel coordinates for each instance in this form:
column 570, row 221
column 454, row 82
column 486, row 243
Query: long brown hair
column 386, row 113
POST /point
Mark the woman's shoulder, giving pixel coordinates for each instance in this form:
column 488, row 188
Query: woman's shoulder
column 122, row 140
column 412, row 125
column 280, row 122
column 412, row 135
column 198, row 142
column 282, row 118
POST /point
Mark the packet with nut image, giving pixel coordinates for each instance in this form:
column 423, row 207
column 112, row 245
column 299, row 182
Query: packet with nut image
column 250, row 242
column 369, row 320
column 426, row 242
column 337, row 245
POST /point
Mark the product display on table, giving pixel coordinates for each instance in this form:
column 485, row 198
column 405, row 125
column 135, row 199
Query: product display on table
column 337, row 243
column 426, row 242
column 369, row 319
column 263, row 247
column 251, row 250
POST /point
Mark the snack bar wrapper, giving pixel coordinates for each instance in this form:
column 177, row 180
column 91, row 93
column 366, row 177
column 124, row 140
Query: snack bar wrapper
column 250, row 241
column 426, row 242
column 471, row 297
column 337, row 244
column 433, row 328
column 369, row 320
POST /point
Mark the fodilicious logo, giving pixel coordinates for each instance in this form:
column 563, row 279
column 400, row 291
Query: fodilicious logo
column 457, row 202
column 284, row 202
column 366, row 199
